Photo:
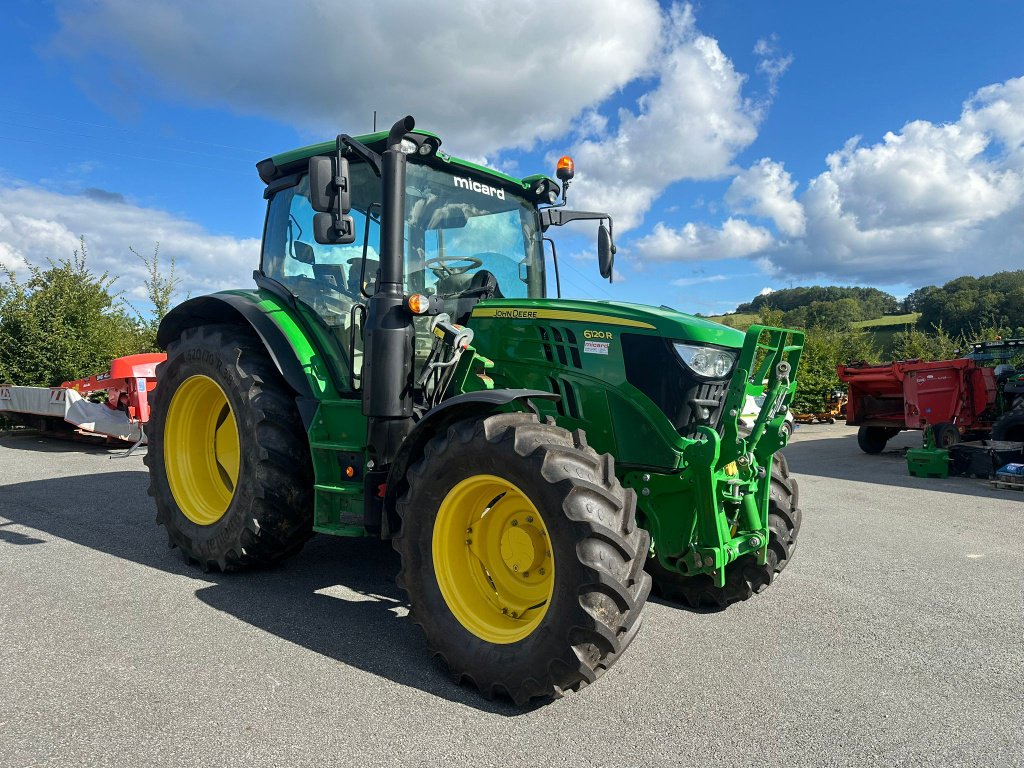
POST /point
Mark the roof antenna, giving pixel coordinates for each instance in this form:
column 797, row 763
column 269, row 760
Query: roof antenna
column 374, row 121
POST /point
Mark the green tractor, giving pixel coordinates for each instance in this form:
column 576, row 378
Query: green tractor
column 400, row 373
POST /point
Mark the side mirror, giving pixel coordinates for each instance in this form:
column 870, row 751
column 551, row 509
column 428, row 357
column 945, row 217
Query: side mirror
column 303, row 252
column 448, row 218
column 605, row 252
column 329, row 229
column 329, row 190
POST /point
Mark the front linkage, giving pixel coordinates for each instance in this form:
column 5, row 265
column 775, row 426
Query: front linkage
column 714, row 508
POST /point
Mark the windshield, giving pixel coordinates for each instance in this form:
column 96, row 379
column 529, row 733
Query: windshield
column 469, row 240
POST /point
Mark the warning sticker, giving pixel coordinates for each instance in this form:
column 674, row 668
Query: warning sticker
column 596, row 347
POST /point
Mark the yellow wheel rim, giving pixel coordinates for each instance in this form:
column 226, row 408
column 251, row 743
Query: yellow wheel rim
column 201, row 450
column 493, row 559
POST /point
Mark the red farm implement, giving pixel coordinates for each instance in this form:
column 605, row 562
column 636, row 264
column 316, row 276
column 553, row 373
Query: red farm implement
column 67, row 409
column 954, row 397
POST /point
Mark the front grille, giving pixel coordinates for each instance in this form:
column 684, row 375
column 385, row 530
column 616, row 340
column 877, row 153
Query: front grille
column 559, row 344
column 653, row 367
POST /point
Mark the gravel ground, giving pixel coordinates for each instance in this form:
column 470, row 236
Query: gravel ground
column 894, row 638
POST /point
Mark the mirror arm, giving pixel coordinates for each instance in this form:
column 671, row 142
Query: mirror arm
column 360, row 150
column 556, row 217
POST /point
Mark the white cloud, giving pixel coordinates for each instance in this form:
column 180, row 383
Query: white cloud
column 771, row 64
column 691, row 125
column 698, row 242
column 766, row 291
column 766, row 189
column 923, row 205
column 489, row 75
column 926, row 204
column 37, row 224
column 684, row 282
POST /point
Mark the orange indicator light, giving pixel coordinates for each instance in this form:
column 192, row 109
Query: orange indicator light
column 418, row 303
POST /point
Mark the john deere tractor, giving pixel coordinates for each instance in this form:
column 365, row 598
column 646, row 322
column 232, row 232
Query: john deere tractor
column 400, row 372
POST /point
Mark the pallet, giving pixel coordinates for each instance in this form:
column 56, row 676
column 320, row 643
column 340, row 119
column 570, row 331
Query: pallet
column 1008, row 485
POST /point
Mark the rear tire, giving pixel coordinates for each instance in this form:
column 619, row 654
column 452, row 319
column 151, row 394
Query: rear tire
column 945, row 435
column 1010, row 426
column 582, row 610
column 873, row 439
column 743, row 577
column 265, row 512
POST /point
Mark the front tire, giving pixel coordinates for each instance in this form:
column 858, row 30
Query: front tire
column 228, row 458
column 521, row 556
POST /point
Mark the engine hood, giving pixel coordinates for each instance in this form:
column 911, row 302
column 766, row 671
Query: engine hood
column 636, row 318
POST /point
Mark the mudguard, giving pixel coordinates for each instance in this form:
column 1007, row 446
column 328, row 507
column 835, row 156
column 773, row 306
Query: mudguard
column 244, row 309
column 436, row 420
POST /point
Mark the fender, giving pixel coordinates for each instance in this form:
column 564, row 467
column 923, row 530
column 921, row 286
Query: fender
column 437, row 420
column 244, row 309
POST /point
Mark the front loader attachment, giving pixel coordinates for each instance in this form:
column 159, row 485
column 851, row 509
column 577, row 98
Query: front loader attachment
column 715, row 510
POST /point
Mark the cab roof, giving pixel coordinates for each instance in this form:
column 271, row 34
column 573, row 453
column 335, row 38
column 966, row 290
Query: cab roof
column 286, row 163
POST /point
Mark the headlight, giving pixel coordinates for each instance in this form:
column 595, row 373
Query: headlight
column 708, row 362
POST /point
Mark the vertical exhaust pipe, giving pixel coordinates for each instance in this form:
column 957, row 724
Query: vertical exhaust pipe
column 387, row 362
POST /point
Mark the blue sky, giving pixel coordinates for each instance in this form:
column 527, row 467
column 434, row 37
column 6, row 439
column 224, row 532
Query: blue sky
column 741, row 146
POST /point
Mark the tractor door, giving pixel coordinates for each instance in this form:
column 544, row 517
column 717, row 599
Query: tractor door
column 328, row 280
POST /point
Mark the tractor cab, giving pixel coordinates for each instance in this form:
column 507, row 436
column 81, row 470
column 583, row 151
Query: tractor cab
column 467, row 236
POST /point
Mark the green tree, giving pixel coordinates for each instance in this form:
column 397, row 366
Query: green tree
column 161, row 289
column 63, row 322
column 915, row 344
column 824, row 350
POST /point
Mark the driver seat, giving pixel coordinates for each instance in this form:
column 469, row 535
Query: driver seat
column 484, row 285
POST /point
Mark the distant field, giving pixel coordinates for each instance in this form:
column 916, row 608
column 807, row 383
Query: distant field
column 736, row 320
column 881, row 327
column 910, row 318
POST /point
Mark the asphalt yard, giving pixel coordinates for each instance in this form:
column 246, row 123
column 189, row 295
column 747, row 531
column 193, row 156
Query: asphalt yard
column 895, row 637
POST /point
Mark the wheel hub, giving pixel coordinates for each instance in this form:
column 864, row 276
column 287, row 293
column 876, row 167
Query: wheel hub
column 202, row 453
column 492, row 559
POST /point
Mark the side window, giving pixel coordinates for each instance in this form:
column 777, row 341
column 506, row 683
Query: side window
column 321, row 275
column 326, row 278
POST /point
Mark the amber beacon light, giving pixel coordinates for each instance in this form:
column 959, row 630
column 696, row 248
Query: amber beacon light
column 566, row 168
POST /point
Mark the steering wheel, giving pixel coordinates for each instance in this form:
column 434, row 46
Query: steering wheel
column 440, row 265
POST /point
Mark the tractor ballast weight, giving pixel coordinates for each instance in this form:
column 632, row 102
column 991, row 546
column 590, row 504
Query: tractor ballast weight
column 399, row 372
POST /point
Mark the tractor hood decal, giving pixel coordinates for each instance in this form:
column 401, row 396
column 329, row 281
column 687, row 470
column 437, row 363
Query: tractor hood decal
column 664, row 321
column 516, row 313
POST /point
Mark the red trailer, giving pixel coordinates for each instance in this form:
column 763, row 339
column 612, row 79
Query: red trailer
column 953, row 396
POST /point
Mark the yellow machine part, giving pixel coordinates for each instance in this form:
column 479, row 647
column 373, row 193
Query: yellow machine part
column 492, row 559
column 201, row 450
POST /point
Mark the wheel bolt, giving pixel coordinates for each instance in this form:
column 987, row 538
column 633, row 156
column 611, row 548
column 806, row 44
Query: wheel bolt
column 515, row 568
column 540, row 571
column 468, row 542
column 529, row 518
column 526, row 574
column 515, row 523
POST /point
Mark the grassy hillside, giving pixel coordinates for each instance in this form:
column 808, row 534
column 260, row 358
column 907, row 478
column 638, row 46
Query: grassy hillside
column 882, row 329
column 887, row 321
column 739, row 320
